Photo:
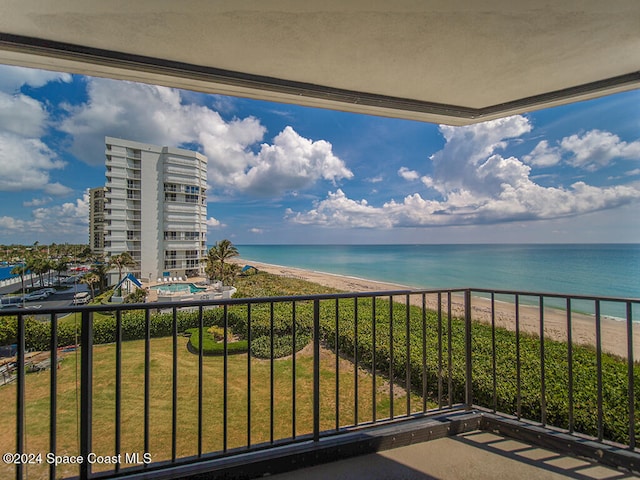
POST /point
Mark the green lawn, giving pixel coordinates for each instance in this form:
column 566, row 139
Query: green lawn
column 37, row 396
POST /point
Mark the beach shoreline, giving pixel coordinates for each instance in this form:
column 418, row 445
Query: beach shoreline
column 583, row 326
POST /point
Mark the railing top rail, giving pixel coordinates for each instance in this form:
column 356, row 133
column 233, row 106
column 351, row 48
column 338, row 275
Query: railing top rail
column 298, row 298
column 557, row 295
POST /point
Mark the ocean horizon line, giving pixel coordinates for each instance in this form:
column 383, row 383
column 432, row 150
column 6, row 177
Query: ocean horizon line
column 267, row 244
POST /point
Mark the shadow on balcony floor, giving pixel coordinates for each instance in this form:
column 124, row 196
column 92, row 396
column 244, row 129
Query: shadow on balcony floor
column 473, row 455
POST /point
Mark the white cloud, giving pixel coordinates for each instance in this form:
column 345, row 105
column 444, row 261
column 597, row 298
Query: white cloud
column 22, row 115
column 37, row 202
column 258, row 231
column 25, row 164
column 338, row 210
column 159, row 115
column 407, row 174
column 56, row 220
column 292, row 162
column 462, row 208
column 25, row 160
column 12, row 225
column 543, row 155
column 477, row 186
column 596, row 149
column 214, row 223
column 456, row 165
column 12, row 78
column 428, row 182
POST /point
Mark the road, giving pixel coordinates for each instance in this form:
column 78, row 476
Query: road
column 62, row 298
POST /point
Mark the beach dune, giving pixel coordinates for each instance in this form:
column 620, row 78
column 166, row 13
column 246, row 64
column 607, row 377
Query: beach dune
column 583, row 327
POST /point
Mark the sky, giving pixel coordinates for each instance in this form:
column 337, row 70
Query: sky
column 286, row 174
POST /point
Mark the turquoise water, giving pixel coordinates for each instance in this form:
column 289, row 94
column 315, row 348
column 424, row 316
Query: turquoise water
column 179, row 288
column 584, row 269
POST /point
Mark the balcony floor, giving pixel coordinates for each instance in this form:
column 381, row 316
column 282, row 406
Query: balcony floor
column 472, row 455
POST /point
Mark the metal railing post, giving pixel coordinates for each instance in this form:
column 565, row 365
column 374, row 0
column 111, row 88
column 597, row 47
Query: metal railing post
column 20, row 391
column 86, row 377
column 631, row 380
column 316, row 370
column 468, row 371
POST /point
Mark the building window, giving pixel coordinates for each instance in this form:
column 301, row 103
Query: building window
column 170, row 235
column 191, row 198
column 169, row 197
column 192, row 189
column 170, row 187
column 170, row 254
column 133, row 153
column 192, row 263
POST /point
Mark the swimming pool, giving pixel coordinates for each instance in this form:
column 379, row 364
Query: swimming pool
column 173, row 288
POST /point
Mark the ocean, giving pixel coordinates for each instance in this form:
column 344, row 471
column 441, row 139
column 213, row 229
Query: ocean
column 583, row 269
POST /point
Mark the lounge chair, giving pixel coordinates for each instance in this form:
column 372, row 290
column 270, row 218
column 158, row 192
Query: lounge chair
column 179, row 279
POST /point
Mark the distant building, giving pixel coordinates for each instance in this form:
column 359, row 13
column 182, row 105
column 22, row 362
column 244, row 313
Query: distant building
column 155, row 208
column 96, row 219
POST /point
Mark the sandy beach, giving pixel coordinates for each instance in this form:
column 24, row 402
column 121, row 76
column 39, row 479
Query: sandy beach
column 613, row 332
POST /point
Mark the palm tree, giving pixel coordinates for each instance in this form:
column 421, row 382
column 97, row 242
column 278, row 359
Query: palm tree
column 100, row 268
column 121, row 261
column 20, row 269
column 91, row 279
column 39, row 265
column 32, row 266
column 60, row 266
column 221, row 251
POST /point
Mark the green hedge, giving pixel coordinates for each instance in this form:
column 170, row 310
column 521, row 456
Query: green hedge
column 282, row 345
column 133, row 324
column 614, row 370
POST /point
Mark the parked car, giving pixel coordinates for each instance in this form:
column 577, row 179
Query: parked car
column 81, row 298
column 39, row 295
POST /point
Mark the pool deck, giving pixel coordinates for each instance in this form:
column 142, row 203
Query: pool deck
column 156, row 294
column 153, row 293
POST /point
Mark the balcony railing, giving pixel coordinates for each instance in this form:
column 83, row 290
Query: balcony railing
column 133, row 395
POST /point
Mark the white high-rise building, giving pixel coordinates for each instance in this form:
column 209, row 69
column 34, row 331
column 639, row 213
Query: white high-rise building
column 156, row 208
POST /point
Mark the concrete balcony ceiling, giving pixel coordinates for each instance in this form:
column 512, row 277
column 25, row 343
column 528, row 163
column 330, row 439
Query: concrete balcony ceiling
column 446, row 61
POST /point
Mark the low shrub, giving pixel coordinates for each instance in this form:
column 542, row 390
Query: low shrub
column 212, row 347
column 282, row 345
column 217, row 333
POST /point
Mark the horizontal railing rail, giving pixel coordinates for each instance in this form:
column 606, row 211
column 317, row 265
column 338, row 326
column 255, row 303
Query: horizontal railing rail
column 121, row 390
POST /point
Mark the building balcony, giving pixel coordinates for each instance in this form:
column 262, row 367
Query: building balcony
column 409, row 373
column 181, row 206
column 180, row 244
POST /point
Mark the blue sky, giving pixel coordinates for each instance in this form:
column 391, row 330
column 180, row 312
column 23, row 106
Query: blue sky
column 287, row 174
